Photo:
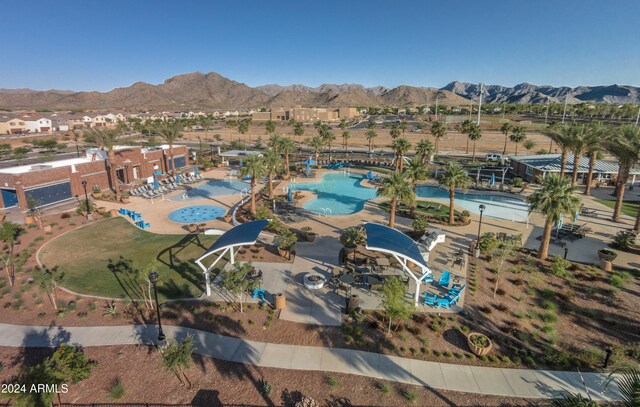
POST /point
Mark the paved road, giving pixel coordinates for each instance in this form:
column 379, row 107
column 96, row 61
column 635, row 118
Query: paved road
column 481, row 380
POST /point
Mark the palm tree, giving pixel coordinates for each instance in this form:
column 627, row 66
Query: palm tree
column 474, row 134
column 579, row 138
column 438, row 130
column 287, row 147
column 370, row 135
column 272, row 163
column 170, row 132
column 243, row 128
column 416, row 172
column 464, row 129
column 371, row 125
column 517, row 136
column 403, row 126
column 454, row 176
column 345, row 139
column 274, row 142
column 270, row 125
column 505, row 129
column 328, row 137
column 624, row 144
column 593, row 145
column 298, row 129
column 401, row 147
column 424, row 149
column 562, row 136
column 399, row 189
column 343, row 124
column 394, row 132
column 554, row 198
column 255, row 168
column 316, row 144
column 108, row 139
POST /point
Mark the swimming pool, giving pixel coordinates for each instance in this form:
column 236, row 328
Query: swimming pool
column 340, row 193
column 212, row 189
column 497, row 206
column 197, row 213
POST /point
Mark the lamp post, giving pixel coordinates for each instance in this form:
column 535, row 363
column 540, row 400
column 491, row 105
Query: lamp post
column 153, row 278
column 477, row 252
column 86, row 197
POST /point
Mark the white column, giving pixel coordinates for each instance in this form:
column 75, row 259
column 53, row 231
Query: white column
column 207, row 283
column 231, row 255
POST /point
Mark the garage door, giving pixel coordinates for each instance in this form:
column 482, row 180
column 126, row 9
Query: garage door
column 180, row 161
column 49, row 194
column 9, row 197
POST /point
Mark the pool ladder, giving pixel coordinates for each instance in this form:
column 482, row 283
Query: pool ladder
column 325, row 211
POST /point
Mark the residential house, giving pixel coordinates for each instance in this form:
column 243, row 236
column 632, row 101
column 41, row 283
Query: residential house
column 12, row 125
column 38, row 124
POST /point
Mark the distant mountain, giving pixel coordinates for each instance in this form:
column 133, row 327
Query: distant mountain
column 212, row 91
column 528, row 93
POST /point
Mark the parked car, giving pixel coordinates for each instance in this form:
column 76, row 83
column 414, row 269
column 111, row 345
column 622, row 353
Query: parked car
column 493, row 157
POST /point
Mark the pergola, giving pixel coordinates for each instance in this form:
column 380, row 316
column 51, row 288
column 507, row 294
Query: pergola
column 391, row 241
column 242, row 235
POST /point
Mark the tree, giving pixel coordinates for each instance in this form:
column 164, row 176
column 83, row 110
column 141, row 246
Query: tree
column 170, row 132
column 393, row 301
column 108, row 139
column 287, row 147
column 403, row 126
column 345, row 139
column 270, row 125
column 254, row 167
column 593, row 145
column 416, row 172
column 529, row 144
column 343, row 124
column 243, row 127
column 272, row 163
column 553, row 199
column 562, row 136
column 474, row 135
column 624, row 144
column 398, row 188
column 464, row 129
column 371, row 125
column 298, row 129
column 580, row 138
column 395, row 131
column 236, row 281
column 176, row 356
column 401, row 147
column 9, row 233
column 316, row 144
column 274, row 143
column 505, row 129
column 328, row 137
column 500, row 254
column 518, row 135
column 370, row 135
column 424, row 149
column 438, row 130
column 453, row 177
column 627, row 380
column 47, row 280
column 69, row 364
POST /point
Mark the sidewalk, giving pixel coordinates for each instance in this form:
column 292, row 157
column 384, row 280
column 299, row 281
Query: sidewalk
column 472, row 379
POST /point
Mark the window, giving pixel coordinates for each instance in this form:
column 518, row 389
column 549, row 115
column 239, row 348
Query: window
column 529, row 170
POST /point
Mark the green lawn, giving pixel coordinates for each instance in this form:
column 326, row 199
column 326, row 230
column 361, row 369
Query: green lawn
column 95, row 260
column 426, row 207
column 628, row 208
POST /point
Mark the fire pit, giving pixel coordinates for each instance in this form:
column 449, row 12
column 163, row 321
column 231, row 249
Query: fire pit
column 313, row 281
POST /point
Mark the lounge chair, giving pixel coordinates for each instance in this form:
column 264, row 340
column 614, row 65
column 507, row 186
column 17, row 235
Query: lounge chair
column 430, row 299
column 444, row 303
column 444, row 279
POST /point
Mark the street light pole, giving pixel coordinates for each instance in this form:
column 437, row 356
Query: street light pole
column 153, row 278
column 477, row 251
column 86, row 197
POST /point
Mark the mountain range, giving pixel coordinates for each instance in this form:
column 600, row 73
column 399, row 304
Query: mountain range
column 212, row 91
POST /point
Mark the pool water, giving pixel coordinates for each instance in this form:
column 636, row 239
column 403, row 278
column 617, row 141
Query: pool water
column 341, row 193
column 497, row 206
column 212, row 189
column 197, row 213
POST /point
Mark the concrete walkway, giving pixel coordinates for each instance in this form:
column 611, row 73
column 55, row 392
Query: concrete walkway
column 481, row 380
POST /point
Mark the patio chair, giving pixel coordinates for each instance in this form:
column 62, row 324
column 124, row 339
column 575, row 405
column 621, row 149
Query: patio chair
column 258, row 293
column 444, row 279
column 443, row 303
column 430, row 299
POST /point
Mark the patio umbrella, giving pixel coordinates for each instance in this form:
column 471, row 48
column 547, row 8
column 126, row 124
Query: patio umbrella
column 177, row 178
column 195, row 170
column 310, row 162
column 290, row 196
column 156, row 185
column 369, row 174
column 308, row 170
column 559, row 225
column 493, row 179
column 576, row 216
column 241, row 164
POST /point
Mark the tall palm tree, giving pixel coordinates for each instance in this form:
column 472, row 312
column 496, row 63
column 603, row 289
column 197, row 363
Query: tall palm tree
column 274, row 143
column 343, row 124
column 316, row 144
column 255, row 168
column 505, row 129
column 272, row 163
column 454, row 176
column 345, row 139
column 394, row 132
column 464, row 129
column 415, row 172
column 424, row 149
column 593, row 147
column 518, row 135
column 403, row 126
column 624, row 144
column 474, row 135
column 401, row 147
column 298, row 129
column 562, row 136
column 371, row 125
column 328, row 137
column 398, row 188
column 270, row 126
column 108, row 139
column 438, row 130
column 370, row 135
column 287, row 147
column 170, row 132
column 553, row 199
column 578, row 146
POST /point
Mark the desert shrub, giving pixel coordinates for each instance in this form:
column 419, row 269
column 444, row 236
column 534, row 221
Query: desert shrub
column 488, row 242
column 420, row 224
column 623, row 240
column 505, row 359
column 548, row 316
column 560, row 266
column 501, row 307
column 347, row 329
column 116, row 390
column 549, row 305
column 383, row 388
column 410, row 395
column 447, row 354
column 332, row 382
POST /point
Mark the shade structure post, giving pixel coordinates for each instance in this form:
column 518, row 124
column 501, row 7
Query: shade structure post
column 207, row 283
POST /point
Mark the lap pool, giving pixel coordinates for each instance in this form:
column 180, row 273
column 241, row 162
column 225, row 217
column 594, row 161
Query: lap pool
column 337, row 194
column 212, row 189
column 197, row 213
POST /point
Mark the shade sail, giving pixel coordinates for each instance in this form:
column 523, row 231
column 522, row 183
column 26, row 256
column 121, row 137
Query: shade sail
column 241, row 235
column 386, row 239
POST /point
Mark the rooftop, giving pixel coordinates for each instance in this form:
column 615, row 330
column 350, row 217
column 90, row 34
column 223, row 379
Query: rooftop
column 551, row 163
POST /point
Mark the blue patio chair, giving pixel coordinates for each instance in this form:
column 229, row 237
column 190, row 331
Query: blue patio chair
column 444, row 279
column 456, row 289
column 122, row 211
column 258, row 293
column 428, row 278
column 453, row 298
column 430, row 299
column 444, row 303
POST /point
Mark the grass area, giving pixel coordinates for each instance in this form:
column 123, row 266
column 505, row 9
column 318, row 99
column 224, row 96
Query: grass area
column 628, row 208
column 425, row 207
column 97, row 260
column 381, row 170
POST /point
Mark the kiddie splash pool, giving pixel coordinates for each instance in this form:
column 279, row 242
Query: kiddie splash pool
column 197, row 213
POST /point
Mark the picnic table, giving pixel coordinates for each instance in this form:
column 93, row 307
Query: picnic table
column 347, row 279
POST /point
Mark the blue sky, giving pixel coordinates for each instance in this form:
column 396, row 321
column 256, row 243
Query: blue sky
column 99, row 45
